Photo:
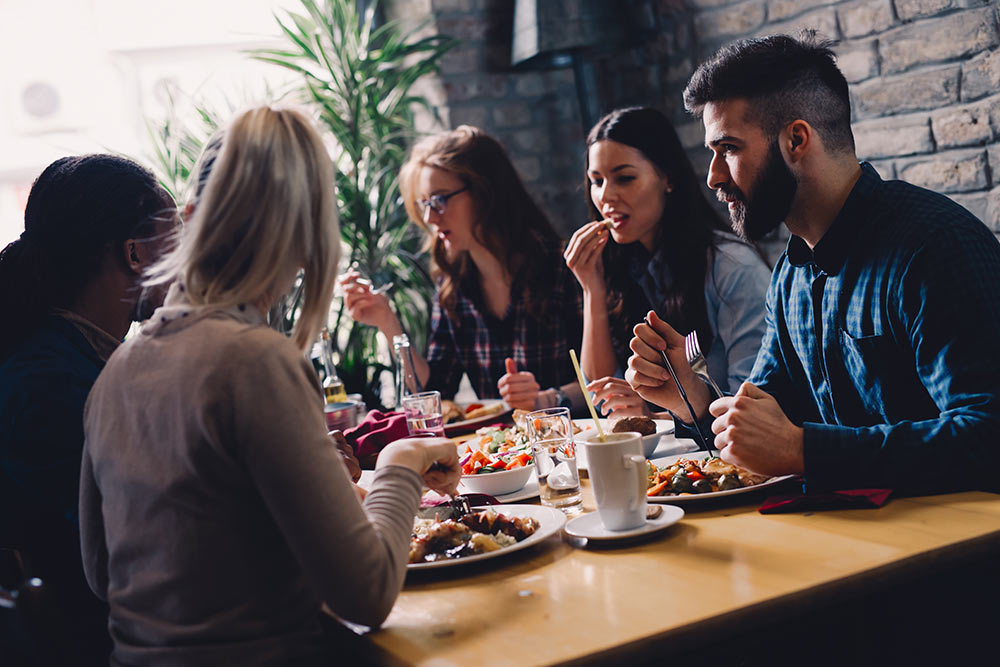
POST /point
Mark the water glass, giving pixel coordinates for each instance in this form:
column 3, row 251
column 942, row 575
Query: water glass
column 423, row 413
column 550, row 433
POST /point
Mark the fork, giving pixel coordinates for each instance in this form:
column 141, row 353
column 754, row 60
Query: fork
column 692, row 350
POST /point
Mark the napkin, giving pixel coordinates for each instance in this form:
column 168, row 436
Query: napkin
column 376, row 431
column 835, row 500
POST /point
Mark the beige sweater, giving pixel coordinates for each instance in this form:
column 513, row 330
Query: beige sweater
column 215, row 512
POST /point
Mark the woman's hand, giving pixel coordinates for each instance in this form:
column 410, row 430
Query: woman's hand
column 365, row 307
column 519, row 389
column 347, row 454
column 434, row 459
column 583, row 256
column 615, row 395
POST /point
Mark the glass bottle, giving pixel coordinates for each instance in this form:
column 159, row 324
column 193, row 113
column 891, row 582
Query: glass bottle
column 406, row 374
column 333, row 388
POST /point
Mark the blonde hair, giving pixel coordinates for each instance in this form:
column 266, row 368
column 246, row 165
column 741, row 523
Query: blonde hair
column 268, row 207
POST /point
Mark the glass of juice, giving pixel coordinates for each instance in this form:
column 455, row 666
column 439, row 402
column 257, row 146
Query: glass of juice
column 550, row 433
column 423, row 413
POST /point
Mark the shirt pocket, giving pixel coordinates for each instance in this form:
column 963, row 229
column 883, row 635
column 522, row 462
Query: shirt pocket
column 868, row 361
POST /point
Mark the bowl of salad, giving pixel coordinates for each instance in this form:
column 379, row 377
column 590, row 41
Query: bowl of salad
column 497, row 461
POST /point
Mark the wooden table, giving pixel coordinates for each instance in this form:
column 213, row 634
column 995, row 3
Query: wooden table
column 718, row 571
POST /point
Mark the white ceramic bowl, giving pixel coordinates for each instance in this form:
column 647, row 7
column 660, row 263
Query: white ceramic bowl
column 649, row 443
column 499, row 483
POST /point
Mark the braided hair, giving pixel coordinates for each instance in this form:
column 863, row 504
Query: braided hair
column 78, row 208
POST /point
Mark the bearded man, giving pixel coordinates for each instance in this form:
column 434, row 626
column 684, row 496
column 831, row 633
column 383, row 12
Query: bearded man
column 880, row 359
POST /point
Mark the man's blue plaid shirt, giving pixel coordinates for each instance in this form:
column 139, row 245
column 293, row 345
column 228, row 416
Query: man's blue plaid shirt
column 883, row 343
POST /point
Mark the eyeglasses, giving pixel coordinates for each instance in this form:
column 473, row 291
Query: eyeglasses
column 437, row 203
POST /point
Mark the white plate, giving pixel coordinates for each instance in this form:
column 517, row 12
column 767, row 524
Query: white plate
column 663, row 427
column 529, row 490
column 550, row 521
column 589, row 526
column 695, row 497
column 455, row 428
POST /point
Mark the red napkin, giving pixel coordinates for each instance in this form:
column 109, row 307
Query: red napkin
column 836, row 500
column 376, row 431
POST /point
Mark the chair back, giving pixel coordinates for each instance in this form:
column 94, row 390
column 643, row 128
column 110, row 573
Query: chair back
column 32, row 628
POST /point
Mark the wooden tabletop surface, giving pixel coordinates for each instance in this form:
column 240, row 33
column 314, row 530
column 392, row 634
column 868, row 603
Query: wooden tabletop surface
column 554, row 603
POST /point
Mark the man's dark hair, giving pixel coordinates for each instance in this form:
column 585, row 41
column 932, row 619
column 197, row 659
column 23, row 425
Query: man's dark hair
column 782, row 78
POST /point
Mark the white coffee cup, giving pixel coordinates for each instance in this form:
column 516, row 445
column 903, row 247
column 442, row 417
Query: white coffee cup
column 617, row 471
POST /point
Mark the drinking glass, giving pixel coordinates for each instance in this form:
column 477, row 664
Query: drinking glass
column 423, row 413
column 550, row 433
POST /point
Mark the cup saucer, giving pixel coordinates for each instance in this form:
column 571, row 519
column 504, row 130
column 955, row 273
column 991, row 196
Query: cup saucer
column 589, row 525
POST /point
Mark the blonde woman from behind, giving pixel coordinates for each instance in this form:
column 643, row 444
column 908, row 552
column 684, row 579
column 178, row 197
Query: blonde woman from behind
column 216, row 514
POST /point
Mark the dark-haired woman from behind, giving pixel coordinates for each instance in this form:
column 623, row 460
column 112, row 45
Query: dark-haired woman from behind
column 69, row 288
column 506, row 310
column 655, row 243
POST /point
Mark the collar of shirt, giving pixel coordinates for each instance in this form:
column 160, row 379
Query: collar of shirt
column 832, row 250
column 99, row 339
column 650, row 271
column 178, row 312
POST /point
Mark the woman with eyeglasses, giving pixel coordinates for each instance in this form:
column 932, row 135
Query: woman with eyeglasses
column 506, row 309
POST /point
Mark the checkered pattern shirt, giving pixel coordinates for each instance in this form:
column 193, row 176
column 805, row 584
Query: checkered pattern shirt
column 477, row 342
column 883, row 343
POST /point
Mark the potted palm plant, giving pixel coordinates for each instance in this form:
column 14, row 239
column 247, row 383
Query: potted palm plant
column 358, row 77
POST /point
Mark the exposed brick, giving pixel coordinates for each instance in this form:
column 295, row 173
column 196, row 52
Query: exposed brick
column 823, row 21
column 893, row 137
column 530, row 84
column 993, row 151
column 463, row 59
column 679, row 70
column 466, row 28
column 735, row 20
column 953, row 171
column 512, row 115
column 529, row 168
column 483, row 86
column 907, row 10
column 470, row 114
column 962, row 126
column 929, row 89
column 858, row 19
column 993, row 210
column 976, row 203
column 778, row 10
column 531, row 140
column 858, row 60
column 442, row 6
column 692, row 135
column 702, row 4
column 885, row 168
column 981, row 75
column 954, row 36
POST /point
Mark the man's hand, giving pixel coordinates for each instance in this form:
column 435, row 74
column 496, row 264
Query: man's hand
column 652, row 381
column 347, row 454
column 753, row 432
column 519, row 389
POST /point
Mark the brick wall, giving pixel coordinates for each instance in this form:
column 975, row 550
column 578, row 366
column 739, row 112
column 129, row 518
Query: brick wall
column 924, row 75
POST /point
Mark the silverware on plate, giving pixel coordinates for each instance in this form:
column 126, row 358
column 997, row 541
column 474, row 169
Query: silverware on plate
column 684, row 397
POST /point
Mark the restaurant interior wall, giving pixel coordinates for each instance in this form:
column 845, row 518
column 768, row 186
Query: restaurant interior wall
column 924, row 77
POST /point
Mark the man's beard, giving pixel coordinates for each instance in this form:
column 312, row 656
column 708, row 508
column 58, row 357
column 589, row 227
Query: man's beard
column 770, row 198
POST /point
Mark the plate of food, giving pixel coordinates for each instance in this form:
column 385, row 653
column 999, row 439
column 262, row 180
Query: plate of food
column 461, row 417
column 497, row 461
column 685, row 478
column 650, row 429
column 486, row 532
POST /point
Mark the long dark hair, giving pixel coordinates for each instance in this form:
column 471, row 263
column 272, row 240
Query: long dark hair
column 77, row 208
column 508, row 222
column 685, row 235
